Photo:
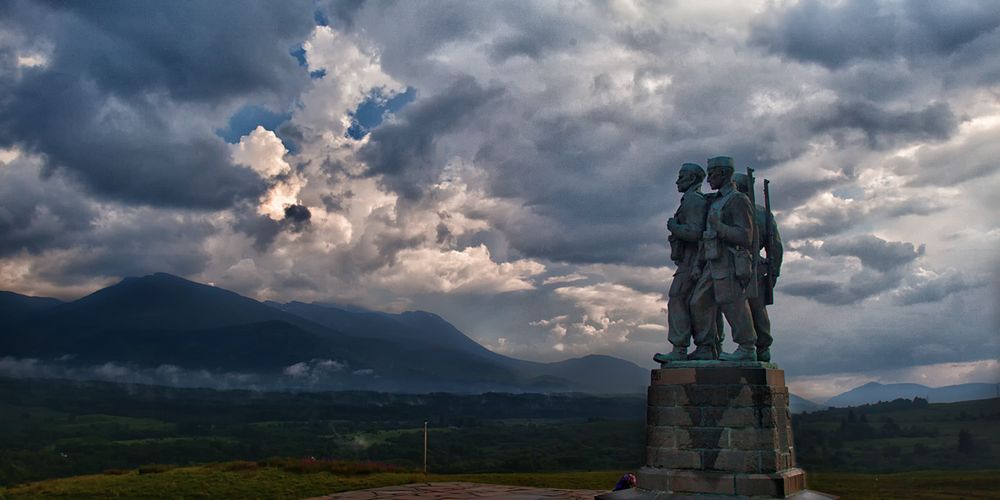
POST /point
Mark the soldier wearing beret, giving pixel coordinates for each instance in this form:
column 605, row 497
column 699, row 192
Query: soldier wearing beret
column 728, row 274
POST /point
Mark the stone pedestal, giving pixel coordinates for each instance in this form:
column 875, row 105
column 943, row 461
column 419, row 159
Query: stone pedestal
column 719, row 428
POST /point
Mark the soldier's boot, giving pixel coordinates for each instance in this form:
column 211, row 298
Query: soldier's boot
column 680, row 353
column 743, row 353
column 703, row 353
column 764, row 354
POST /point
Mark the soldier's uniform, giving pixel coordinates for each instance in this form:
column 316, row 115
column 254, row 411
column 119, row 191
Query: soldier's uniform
column 728, row 276
column 774, row 251
column 690, row 218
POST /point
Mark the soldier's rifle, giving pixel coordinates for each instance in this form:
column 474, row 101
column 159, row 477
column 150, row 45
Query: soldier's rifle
column 766, row 235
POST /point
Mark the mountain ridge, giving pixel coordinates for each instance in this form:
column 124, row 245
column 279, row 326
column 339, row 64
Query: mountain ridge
column 873, row 392
column 161, row 321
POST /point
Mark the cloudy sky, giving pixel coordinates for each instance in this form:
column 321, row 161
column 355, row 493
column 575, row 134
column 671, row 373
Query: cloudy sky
column 510, row 165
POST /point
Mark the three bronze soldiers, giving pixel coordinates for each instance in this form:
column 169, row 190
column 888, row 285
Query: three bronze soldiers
column 715, row 242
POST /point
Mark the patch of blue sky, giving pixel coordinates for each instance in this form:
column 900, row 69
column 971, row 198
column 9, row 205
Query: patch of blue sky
column 849, row 193
column 372, row 111
column 248, row 118
column 320, row 18
column 299, row 53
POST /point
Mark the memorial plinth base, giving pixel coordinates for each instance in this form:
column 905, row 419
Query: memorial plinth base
column 718, row 429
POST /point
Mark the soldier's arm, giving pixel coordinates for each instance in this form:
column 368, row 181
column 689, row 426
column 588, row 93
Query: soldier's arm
column 774, row 248
column 694, row 208
column 741, row 231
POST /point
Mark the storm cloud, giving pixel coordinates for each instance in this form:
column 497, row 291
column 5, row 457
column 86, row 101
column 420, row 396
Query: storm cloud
column 523, row 192
column 120, row 99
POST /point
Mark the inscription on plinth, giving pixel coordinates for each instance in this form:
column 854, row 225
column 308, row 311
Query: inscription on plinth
column 721, row 430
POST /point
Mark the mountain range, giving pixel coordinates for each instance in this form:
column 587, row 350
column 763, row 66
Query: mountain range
column 874, row 392
column 163, row 328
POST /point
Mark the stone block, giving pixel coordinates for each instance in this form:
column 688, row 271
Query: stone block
column 707, row 395
column 738, row 417
column 703, row 482
column 686, row 481
column 718, row 375
column 757, row 395
column 751, row 439
column 775, row 461
column 652, row 478
column 732, row 460
column 740, row 395
column 765, row 418
column 672, row 416
column 676, row 459
column 651, row 452
column 697, row 438
column 674, row 376
column 660, row 436
column 780, row 400
column 666, row 395
column 777, row 485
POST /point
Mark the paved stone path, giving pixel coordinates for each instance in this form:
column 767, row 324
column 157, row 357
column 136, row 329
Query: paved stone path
column 458, row 491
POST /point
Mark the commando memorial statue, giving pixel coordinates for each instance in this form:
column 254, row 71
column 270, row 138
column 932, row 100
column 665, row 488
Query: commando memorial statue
column 718, row 424
column 686, row 227
column 768, row 268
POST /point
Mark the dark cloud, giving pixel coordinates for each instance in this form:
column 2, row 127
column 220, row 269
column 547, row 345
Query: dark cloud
column 404, row 152
column 114, row 103
column 837, row 34
column 874, row 252
column 793, row 189
column 883, row 127
column 193, row 52
column 132, row 242
column 297, row 216
column 261, row 228
column 973, row 158
column 937, row 288
column 341, row 12
column 885, row 265
column 298, row 213
column 38, row 213
column 534, row 33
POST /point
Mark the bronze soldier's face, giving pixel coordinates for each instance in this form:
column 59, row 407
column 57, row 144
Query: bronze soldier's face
column 685, row 180
column 717, row 177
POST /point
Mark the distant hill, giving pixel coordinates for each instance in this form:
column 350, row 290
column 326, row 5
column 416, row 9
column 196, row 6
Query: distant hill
column 873, row 392
column 599, row 373
column 799, row 404
column 165, row 329
column 16, row 307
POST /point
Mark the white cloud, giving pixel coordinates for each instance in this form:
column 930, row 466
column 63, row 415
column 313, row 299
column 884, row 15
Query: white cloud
column 470, row 270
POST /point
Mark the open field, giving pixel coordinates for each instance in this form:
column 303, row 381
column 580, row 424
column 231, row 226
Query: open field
column 51, row 429
column 248, row 480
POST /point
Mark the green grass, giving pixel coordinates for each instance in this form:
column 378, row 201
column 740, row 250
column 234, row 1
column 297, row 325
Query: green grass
column 277, row 481
column 921, row 485
column 215, row 481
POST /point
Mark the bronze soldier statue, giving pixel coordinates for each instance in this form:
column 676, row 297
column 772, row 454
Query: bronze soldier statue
column 686, row 227
column 728, row 275
column 768, row 269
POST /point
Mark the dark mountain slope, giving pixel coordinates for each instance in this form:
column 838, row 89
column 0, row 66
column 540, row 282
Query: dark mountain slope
column 160, row 320
column 15, row 307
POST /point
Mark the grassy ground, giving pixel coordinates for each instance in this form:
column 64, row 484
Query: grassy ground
column 215, row 481
column 246, row 480
column 922, row 485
